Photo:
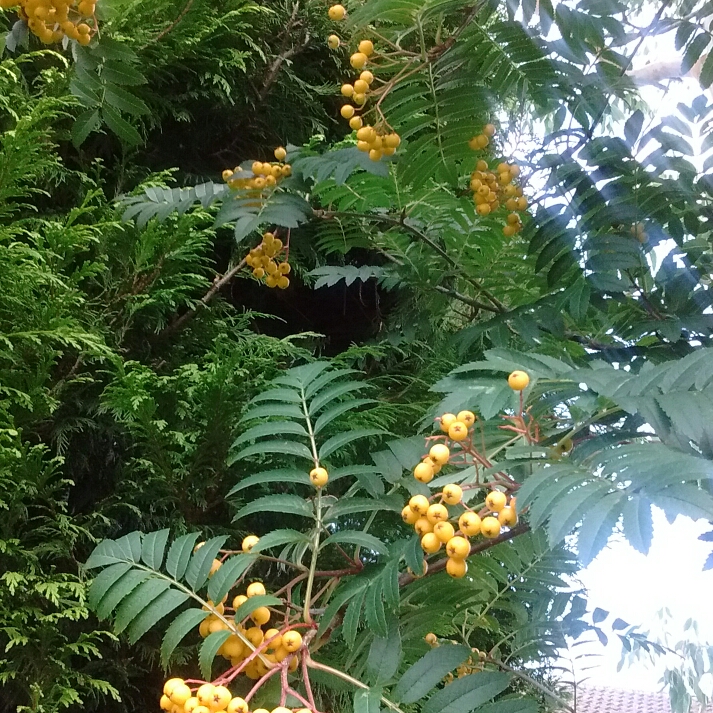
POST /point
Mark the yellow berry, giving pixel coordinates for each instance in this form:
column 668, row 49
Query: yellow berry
column 458, row 431
column 481, row 165
column 375, row 154
column 83, row 29
column 366, row 47
column 431, row 639
column 318, row 477
column 358, row 60
column 360, row 87
column 336, row 13
column 191, row 705
column 489, row 129
column 227, row 174
column 444, row 531
column 490, row 527
column 521, row 203
column 458, row 547
column 260, row 616
column 456, row 568
column 423, row 526
column 363, row 145
column 496, row 500
column 217, row 564
column 254, row 635
column 355, row 123
column 249, row 542
column 409, row 516
column 440, row 453
column 452, row 494
column 292, row 640
column 423, row 472
column 419, row 504
column 347, row 90
column 259, row 273
column 347, row 111
column 483, row 209
column 220, row 699
column 430, row 543
column 518, row 380
column 469, row 523
column 366, row 76
column 83, row 38
column 237, row 705
column 284, row 268
column 333, row 42
column 466, row 417
column 170, row 685
column 392, row 141
column 283, row 282
column 205, row 694
column 165, row 703
column 436, row 466
column 280, row 153
column 255, row 589
column 507, row 516
column 446, row 420
column 437, row 513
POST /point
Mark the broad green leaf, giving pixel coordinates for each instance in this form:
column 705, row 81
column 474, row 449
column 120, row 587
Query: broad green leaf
column 105, row 553
column 328, row 395
column 289, row 448
column 120, row 589
column 122, row 128
column 229, row 573
column 466, row 694
column 287, row 504
column 350, row 506
column 121, row 73
column 342, row 439
column 367, row 700
column 184, row 623
column 253, row 603
column 201, row 562
column 355, row 537
column 153, row 547
column 140, row 598
column 130, row 545
column 326, row 378
column 179, row 554
column 122, row 100
column 208, row 651
column 281, row 475
column 374, row 608
column 271, row 428
column 289, row 396
column 421, row 678
column 277, row 538
column 160, row 607
column 336, row 411
column 637, row 523
column 104, row 580
column 342, row 595
column 87, row 122
column 385, row 654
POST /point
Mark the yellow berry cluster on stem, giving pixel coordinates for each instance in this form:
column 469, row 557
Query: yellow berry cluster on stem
column 265, row 261
column 53, row 20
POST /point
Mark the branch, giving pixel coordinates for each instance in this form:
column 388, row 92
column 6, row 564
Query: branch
column 218, row 284
column 163, row 33
column 520, row 529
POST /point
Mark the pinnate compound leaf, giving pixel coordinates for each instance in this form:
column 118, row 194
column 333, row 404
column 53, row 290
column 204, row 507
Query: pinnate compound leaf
column 467, row 693
column 342, row 439
column 120, row 589
column 153, row 548
column 180, row 627
column 160, row 607
column 179, row 554
column 201, row 562
column 289, row 504
column 421, row 678
column 209, row 649
column 229, row 573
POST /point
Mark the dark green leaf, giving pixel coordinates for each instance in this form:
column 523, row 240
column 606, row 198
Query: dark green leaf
column 289, row 504
column 201, row 562
column 421, row 678
column 385, row 654
column 184, row 623
column 467, row 693
column 179, row 554
column 152, row 548
column 229, row 573
column 209, row 649
column 160, row 607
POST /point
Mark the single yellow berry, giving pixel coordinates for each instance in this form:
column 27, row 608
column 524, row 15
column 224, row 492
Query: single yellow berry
column 280, row 153
column 254, row 635
column 358, row 60
column 355, row 123
column 423, row 526
column 452, row 494
column 165, row 703
column 409, row 516
column 489, row 129
column 260, row 616
column 375, row 154
column 437, row 513
column 237, row 705
column 444, row 531
column 431, row 639
column 347, row 111
column 347, row 90
column 239, row 601
column 319, row 477
column 217, row 564
column 333, row 42
column 490, row 527
column 360, row 87
column 440, row 453
column 423, row 472
column 507, row 516
column 458, row 547
column 366, row 47
column 283, row 282
column 336, row 13
column 469, row 523
column 466, row 417
column 430, row 543
column 292, row 640
column 446, row 420
column 458, row 431
column 366, row 76
column 220, row 699
column 227, row 174
column 392, row 141
column 249, row 542
column 255, row 589
column 481, row 165
column 204, row 694
column 496, row 500
column 419, row 504
column 518, row 380
column 456, row 568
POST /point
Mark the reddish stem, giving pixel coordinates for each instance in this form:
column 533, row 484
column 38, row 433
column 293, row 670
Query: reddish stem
column 259, row 683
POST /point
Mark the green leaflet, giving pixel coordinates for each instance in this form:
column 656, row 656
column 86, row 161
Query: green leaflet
column 355, row 537
column 201, row 562
column 428, row 671
column 290, row 448
column 208, row 651
column 367, row 700
column 342, row 439
column 153, row 548
column 153, row 612
column 282, row 475
column 228, row 574
column 184, row 623
column 466, row 694
column 291, row 504
column 179, row 554
column 385, row 653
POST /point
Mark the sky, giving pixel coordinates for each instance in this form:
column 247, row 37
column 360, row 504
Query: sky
column 621, row 580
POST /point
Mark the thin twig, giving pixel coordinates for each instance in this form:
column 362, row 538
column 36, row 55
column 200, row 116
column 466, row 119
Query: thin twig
column 163, row 33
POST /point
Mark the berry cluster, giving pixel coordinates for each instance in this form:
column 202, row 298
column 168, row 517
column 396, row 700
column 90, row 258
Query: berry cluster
column 53, row 20
column 262, row 260
column 259, row 176
column 491, row 188
column 277, row 646
column 377, row 140
column 179, row 698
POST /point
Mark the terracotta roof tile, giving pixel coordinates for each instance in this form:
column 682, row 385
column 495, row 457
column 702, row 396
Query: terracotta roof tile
column 595, row 699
